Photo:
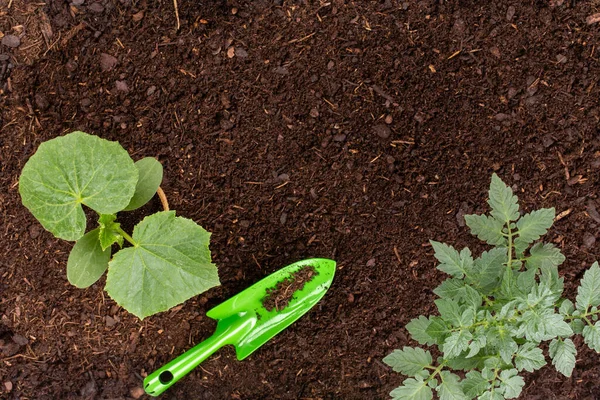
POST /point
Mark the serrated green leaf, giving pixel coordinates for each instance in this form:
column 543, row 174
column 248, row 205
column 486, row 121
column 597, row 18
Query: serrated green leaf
column 150, row 177
column 543, row 256
column 465, row 364
column 418, row 330
column 408, row 361
column 508, row 284
column 109, row 231
column 72, row 170
column 529, row 357
column 512, row 384
column 489, row 268
column 541, row 296
column 451, row 289
column 591, row 336
column 532, row 226
column 472, row 298
column 456, row 343
column 563, row 354
column 487, row 229
column 450, row 388
column 476, row 345
column 169, row 264
column 577, row 325
column 449, row 311
column 526, row 280
column 543, row 325
column 588, row 293
column 491, row 396
column 467, row 317
column 474, row 384
column 87, row 261
column 437, row 329
column 503, row 202
column 566, row 307
column 506, row 346
column 412, row 389
column 451, row 261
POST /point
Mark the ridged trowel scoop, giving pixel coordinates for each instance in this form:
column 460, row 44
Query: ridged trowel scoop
column 250, row 318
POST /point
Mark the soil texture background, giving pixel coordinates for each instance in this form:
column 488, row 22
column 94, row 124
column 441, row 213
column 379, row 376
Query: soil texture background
column 352, row 130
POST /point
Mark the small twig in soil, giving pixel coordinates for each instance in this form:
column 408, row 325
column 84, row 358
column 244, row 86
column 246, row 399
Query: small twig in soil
column 176, row 13
column 163, row 198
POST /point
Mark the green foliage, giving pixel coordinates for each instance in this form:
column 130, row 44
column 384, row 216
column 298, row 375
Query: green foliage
column 72, row 170
column 169, row 260
column 169, row 252
column 497, row 309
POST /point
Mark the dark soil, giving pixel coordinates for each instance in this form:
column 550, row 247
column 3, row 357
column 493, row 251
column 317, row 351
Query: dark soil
column 353, row 130
column 279, row 297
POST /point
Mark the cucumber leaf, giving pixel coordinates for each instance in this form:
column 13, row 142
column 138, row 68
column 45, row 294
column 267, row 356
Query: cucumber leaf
column 150, row 177
column 72, row 170
column 169, row 263
column 109, row 231
column 87, row 261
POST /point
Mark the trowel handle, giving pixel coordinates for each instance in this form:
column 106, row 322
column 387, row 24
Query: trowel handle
column 161, row 379
column 227, row 332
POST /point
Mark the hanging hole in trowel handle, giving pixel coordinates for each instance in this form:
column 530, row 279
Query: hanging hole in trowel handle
column 165, row 377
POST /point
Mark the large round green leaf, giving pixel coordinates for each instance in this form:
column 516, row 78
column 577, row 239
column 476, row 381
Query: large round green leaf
column 169, row 263
column 76, row 169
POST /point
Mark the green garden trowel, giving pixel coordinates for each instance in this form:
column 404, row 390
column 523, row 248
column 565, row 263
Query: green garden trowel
column 246, row 323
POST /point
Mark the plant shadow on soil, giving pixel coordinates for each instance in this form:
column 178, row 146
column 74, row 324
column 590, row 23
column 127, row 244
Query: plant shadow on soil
column 355, row 131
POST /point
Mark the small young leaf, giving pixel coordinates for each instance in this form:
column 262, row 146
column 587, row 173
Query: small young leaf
column 412, row 389
column 87, row 261
column 476, row 345
column 109, row 232
column 408, row 361
column 577, row 325
column 72, row 170
column 503, row 202
column 533, row 225
column 529, row 357
column 566, row 307
column 563, row 354
column 170, row 259
column 451, row 261
column 512, row 384
column 588, row 294
column 591, row 336
column 456, row 343
column 450, row 388
column 150, row 177
column 418, row 330
column 487, row 229
column 474, row 384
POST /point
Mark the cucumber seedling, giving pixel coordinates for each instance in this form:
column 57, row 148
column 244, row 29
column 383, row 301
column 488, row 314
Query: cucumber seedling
column 168, row 260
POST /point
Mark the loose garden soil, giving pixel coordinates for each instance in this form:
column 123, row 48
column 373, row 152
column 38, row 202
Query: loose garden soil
column 279, row 297
column 354, row 130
